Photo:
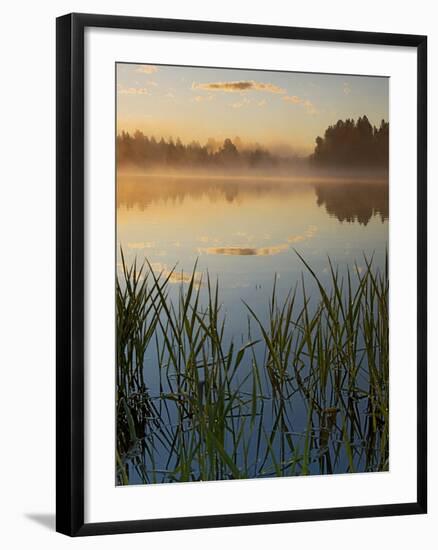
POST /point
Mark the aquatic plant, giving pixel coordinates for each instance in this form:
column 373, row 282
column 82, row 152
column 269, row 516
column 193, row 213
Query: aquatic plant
column 305, row 392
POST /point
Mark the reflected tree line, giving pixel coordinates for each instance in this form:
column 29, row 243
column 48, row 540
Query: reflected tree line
column 347, row 143
column 354, row 202
column 349, row 201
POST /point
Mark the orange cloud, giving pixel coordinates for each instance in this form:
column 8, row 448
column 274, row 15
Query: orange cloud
column 147, row 69
column 239, row 86
column 201, row 98
column 133, row 91
column 346, row 89
column 239, row 104
column 296, row 100
column 293, row 99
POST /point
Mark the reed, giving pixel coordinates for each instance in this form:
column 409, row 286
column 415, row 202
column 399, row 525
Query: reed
column 304, row 392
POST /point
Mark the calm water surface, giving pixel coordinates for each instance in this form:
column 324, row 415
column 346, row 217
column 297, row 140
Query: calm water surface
column 245, row 230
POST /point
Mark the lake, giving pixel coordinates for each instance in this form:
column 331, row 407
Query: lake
column 246, row 233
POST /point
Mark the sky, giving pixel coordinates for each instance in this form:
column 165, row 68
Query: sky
column 282, row 111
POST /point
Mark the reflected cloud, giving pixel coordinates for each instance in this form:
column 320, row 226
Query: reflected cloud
column 245, row 251
column 296, row 239
column 258, row 251
column 175, row 276
column 308, row 234
column 141, row 245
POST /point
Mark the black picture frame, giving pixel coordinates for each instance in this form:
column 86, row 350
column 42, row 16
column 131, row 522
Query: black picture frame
column 70, row 273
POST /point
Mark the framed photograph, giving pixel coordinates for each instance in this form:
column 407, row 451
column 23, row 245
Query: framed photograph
column 241, row 274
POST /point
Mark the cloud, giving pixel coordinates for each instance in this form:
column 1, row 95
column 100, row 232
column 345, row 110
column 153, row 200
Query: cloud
column 201, row 98
column 132, row 91
column 346, row 89
column 238, row 86
column 147, row 69
column 240, row 104
column 246, row 101
column 293, row 99
column 296, row 100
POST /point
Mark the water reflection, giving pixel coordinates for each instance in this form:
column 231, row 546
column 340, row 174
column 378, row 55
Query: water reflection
column 353, row 201
column 245, row 229
column 347, row 200
column 141, row 191
column 241, row 251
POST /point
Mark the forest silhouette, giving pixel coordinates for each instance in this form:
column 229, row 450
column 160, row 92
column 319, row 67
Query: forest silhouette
column 345, row 144
column 147, row 151
column 350, row 143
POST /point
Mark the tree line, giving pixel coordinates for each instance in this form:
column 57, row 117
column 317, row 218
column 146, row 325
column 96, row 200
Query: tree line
column 350, row 143
column 148, row 152
column 345, row 144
